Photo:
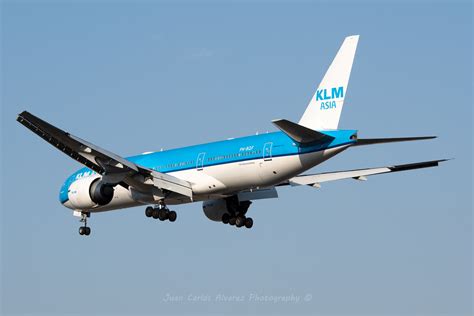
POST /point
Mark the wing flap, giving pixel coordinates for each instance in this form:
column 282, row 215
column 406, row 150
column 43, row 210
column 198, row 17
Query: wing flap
column 259, row 194
column 170, row 183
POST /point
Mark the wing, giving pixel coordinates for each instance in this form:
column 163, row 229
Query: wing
column 113, row 168
column 358, row 174
column 373, row 141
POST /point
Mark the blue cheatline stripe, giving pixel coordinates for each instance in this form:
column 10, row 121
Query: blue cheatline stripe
column 254, row 158
column 251, row 147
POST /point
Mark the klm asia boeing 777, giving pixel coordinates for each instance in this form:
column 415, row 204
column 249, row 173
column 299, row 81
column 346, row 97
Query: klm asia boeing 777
column 226, row 175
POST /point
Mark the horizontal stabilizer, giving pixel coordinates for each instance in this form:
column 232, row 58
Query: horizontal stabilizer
column 358, row 174
column 301, row 134
column 373, row 141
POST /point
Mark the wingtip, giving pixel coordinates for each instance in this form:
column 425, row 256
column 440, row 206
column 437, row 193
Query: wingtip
column 23, row 113
column 446, row 159
column 19, row 117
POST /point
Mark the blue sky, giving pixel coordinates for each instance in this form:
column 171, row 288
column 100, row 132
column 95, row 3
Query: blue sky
column 135, row 77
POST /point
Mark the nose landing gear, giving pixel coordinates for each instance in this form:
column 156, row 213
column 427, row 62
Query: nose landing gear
column 84, row 230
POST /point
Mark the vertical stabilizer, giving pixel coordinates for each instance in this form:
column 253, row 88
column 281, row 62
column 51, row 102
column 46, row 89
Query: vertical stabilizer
column 324, row 109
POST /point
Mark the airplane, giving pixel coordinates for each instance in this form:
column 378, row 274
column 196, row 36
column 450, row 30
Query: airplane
column 226, row 176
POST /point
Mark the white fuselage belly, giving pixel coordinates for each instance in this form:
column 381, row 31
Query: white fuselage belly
column 226, row 179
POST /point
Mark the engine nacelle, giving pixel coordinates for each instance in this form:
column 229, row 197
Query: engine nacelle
column 215, row 209
column 90, row 192
column 101, row 193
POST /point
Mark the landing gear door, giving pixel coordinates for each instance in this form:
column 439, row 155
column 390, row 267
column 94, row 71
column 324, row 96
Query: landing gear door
column 267, row 151
column 200, row 161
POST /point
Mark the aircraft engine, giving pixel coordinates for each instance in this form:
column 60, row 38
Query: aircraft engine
column 89, row 192
column 215, row 209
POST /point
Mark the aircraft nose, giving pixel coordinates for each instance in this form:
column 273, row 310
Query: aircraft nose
column 64, row 197
column 68, row 204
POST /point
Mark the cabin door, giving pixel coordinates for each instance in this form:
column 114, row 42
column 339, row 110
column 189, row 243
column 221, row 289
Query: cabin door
column 266, row 165
column 200, row 161
column 267, row 151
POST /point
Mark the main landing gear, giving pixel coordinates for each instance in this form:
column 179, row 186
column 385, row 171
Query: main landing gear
column 84, row 230
column 236, row 210
column 161, row 212
column 238, row 221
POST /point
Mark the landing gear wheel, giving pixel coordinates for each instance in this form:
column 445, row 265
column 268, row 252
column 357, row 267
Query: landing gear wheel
column 232, row 221
column 162, row 214
column 149, row 211
column 84, row 230
column 225, row 218
column 172, row 216
column 248, row 222
column 156, row 213
column 240, row 221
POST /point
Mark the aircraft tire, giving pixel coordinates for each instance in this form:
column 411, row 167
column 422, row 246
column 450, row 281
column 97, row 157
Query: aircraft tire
column 248, row 222
column 172, row 216
column 149, row 211
column 240, row 221
column 163, row 214
column 225, row 218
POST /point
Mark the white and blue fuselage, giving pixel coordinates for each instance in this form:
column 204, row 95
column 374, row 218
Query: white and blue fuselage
column 221, row 168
